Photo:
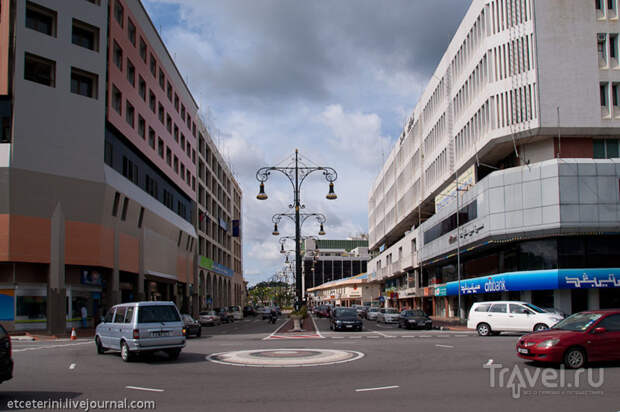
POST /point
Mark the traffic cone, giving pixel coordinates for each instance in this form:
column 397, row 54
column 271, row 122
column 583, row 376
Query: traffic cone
column 73, row 334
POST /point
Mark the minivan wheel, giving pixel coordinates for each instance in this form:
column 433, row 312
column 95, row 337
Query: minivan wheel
column 173, row 354
column 100, row 348
column 484, row 329
column 126, row 354
column 540, row 326
column 574, row 358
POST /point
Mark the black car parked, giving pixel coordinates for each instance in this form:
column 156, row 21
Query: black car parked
column 345, row 319
column 6, row 360
column 412, row 319
column 191, row 326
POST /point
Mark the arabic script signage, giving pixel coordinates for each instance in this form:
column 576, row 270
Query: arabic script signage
column 538, row 280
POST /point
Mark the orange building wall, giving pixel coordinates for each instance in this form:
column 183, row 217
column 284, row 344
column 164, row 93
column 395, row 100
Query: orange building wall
column 128, row 253
column 88, row 244
column 5, row 11
column 29, row 239
column 4, row 237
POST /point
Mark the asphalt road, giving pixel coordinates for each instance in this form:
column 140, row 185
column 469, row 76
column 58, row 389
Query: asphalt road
column 401, row 370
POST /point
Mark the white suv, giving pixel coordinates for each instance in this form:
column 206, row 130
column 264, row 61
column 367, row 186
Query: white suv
column 490, row 318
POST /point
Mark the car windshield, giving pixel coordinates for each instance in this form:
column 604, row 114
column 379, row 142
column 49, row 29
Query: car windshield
column 577, row 322
column 418, row 313
column 156, row 314
column 535, row 308
column 209, row 313
column 346, row 312
column 391, row 310
column 373, row 310
column 234, row 309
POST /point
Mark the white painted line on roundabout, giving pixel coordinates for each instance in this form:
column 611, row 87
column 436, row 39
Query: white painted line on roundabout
column 445, row 346
column 276, row 331
column 316, row 328
column 53, row 346
column 377, row 389
column 138, row 388
column 72, row 366
column 383, row 334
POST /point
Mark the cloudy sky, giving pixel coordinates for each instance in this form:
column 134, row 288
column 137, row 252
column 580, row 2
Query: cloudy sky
column 334, row 79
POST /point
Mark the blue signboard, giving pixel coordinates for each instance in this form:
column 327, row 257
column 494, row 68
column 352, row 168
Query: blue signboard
column 589, row 278
column 537, row 280
column 441, row 291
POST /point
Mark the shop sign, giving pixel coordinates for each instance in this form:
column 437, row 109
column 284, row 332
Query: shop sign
column 209, row 264
column 427, row 291
column 7, row 304
column 441, row 291
column 589, row 278
column 91, row 277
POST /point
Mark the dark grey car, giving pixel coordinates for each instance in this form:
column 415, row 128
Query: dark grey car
column 413, row 319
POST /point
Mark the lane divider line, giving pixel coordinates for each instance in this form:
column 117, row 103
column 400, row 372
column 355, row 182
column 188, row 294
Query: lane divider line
column 72, row 366
column 138, row 388
column 377, row 389
column 445, row 346
column 316, row 328
column 276, row 331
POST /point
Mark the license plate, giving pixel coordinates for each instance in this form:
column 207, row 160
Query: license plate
column 160, row 333
column 349, row 326
column 523, row 350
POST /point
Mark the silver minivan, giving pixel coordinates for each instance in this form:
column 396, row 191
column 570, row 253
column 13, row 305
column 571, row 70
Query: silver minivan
column 140, row 327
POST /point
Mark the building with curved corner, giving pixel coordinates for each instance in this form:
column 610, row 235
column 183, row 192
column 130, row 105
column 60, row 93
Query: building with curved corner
column 517, row 130
column 99, row 159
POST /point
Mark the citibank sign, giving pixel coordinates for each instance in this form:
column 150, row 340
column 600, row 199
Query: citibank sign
column 495, row 285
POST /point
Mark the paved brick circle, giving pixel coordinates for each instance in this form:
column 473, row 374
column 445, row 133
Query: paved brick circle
column 285, row 358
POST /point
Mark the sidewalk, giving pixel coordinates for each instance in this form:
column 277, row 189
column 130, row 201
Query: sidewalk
column 42, row 335
column 449, row 324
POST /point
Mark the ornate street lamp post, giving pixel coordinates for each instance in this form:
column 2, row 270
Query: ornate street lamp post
column 296, row 173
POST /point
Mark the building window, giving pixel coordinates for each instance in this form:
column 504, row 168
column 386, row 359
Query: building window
column 169, row 156
column 194, row 129
column 151, row 186
column 117, row 98
column 614, row 94
column 183, row 141
column 153, row 65
column 610, row 4
column 125, row 207
column 119, row 12
column 95, row 2
column 162, row 80
column 108, row 156
column 141, row 217
column 141, row 127
column 160, row 147
column 117, row 199
column 85, row 35
column 160, row 113
column 603, row 94
column 118, row 56
column 176, row 133
column 605, row 148
column 176, row 164
column 131, row 31
column 152, row 100
column 613, row 46
column 176, row 102
column 41, row 19
column 169, row 91
column 84, row 83
column 183, row 112
column 40, row 70
column 182, row 171
column 129, row 114
column 142, row 88
column 130, row 170
column 151, row 138
column 189, row 122
column 131, row 73
column 142, row 49
column 598, row 4
column 168, row 199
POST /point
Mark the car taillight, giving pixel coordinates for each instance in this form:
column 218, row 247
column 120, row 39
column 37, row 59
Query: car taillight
column 136, row 334
column 184, row 331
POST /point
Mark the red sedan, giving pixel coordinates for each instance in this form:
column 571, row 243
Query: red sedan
column 590, row 336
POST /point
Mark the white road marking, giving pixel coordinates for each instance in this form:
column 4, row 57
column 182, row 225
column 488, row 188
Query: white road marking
column 372, row 337
column 425, row 336
column 382, row 334
column 408, row 336
column 72, row 366
column 276, row 331
column 355, row 337
column 337, row 337
column 489, row 362
column 444, row 346
column 144, row 389
column 53, row 346
column 316, row 328
column 377, row 389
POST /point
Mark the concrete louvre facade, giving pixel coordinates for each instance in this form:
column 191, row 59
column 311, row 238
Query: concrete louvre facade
column 93, row 213
column 521, row 115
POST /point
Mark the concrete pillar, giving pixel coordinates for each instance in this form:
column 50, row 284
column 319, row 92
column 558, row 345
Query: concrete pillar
column 56, row 286
column 593, row 299
column 140, row 295
column 114, row 290
column 562, row 300
column 526, row 296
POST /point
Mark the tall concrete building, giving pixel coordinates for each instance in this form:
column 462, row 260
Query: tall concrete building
column 99, row 153
column 517, row 130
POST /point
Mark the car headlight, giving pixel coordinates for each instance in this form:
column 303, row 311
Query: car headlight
column 547, row 343
column 338, row 321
